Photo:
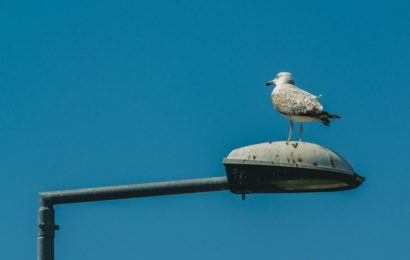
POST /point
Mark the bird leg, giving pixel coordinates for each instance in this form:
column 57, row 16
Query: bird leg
column 291, row 131
column 300, row 131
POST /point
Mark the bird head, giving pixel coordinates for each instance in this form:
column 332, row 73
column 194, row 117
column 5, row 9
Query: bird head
column 281, row 78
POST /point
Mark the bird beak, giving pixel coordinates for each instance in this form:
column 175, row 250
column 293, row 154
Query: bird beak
column 270, row 83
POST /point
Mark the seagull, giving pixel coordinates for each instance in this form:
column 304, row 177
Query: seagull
column 296, row 104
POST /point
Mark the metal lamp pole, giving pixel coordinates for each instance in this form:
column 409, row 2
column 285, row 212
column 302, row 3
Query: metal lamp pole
column 274, row 167
column 46, row 217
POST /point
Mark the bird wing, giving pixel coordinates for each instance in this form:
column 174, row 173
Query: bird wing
column 291, row 100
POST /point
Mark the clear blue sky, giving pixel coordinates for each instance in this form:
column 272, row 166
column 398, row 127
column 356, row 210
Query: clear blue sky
column 96, row 93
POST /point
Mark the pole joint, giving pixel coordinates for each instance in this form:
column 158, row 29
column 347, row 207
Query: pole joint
column 46, row 221
column 46, row 230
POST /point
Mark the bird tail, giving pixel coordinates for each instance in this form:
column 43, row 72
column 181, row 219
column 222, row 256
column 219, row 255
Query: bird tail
column 325, row 116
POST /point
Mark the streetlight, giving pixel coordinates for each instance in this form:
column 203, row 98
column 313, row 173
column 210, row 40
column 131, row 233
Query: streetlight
column 262, row 168
column 288, row 167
